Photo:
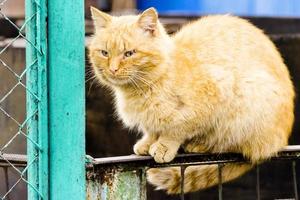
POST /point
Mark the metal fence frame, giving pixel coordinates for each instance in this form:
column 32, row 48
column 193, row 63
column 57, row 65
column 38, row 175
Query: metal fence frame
column 61, row 114
column 64, row 107
column 37, row 130
column 124, row 177
column 54, row 167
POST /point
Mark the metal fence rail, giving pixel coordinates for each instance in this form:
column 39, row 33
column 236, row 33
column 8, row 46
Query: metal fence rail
column 42, row 102
column 30, row 80
column 108, row 178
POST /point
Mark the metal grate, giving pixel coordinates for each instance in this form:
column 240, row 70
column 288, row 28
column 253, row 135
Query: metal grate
column 20, row 102
column 106, row 173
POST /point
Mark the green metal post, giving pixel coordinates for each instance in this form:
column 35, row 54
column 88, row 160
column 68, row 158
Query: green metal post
column 36, row 83
column 66, row 99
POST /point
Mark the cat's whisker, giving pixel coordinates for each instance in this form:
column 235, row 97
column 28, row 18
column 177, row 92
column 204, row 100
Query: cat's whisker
column 141, row 89
column 93, row 77
column 144, row 80
column 90, row 86
column 89, row 72
column 136, row 86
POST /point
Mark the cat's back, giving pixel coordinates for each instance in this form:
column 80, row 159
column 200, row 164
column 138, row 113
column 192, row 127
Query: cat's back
column 222, row 34
column 220, row 29
column 229, row 41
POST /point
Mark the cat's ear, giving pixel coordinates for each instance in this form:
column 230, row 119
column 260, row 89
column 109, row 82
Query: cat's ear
column 101, row 19
column 148, row 20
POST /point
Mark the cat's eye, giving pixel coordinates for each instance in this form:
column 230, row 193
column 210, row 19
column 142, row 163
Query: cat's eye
column 104, row 53
column 129, row 53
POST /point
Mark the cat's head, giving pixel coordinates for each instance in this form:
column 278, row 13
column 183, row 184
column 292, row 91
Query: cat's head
column 127, row 49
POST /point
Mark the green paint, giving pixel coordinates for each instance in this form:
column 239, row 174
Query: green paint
column 36, row 63
column 43, row 104
column 31, row 103
column 66, row 99
column 128, row 186
column 116, row 184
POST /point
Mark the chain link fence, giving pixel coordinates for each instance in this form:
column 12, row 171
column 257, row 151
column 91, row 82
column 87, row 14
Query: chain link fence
column 20, row 100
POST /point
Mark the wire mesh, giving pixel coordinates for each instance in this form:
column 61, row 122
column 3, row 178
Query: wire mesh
column 19, row 102
column 257, row 183
column 182, row 170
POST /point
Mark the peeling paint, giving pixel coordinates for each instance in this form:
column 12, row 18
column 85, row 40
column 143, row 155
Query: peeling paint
column 116, row 184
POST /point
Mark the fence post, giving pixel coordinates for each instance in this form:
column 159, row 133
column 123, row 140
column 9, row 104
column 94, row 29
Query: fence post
column 66, row 99
column 36, row 99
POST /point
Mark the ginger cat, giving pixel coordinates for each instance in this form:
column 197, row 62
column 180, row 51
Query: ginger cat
column 217, row 85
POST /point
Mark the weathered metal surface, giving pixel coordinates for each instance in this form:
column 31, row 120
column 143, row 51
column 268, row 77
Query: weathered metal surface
column 37, row 102
column 116, row 184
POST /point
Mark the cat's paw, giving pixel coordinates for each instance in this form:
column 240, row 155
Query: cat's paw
column 141, row 148
column 162, row 153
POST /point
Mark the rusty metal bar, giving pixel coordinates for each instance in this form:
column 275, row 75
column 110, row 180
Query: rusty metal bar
column 134, row 161
column 257, row 183
column 182, row 170
column 288, row 153
column 220, row 182
column 295, row 180
column 17, row 160
column 5, row 170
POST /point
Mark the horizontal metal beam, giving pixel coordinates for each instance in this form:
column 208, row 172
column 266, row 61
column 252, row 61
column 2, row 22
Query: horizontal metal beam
column 15, row 159
column 289, row 152
column 134, row 161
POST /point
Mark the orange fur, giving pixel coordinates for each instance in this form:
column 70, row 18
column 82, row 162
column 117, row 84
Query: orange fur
column 217, row 85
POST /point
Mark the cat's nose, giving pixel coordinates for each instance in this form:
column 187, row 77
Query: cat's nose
column 113, row 70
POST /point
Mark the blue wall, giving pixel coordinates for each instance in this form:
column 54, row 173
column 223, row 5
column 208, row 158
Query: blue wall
column 269, row 8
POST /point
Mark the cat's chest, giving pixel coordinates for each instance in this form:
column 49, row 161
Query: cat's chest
column 145, row 111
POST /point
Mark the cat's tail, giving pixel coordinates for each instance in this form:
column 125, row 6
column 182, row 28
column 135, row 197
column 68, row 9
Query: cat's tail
column 195, row 177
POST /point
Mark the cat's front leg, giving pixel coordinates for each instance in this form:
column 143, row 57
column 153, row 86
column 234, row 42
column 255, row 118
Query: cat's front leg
column 143, row 145
column 164, row 149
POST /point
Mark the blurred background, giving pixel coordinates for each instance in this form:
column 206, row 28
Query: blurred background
column 105, row 136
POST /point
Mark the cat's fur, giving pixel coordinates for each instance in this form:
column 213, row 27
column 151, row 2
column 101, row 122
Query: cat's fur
column 217, row 85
